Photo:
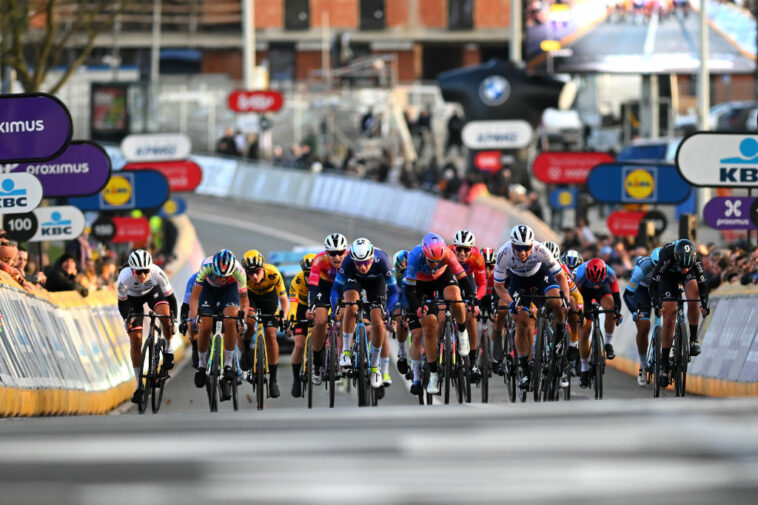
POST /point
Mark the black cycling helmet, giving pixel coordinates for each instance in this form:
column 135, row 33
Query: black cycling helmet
column 685, row 254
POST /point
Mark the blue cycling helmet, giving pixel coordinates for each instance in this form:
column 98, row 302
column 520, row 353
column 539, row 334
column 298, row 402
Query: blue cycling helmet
column 400, row 260
column 655, row 255
column 224, row 263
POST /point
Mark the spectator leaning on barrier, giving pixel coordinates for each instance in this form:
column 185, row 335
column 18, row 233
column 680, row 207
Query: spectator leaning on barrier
column 28, row 269
column 8, row 264
column 106, row 279
column 62, row 276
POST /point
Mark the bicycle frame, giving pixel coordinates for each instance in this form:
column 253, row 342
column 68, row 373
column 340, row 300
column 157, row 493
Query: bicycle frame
column 361, row 364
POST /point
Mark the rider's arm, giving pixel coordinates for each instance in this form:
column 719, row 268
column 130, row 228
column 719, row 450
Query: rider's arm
column 702, row 286
column 123, row 308
column 560, row 277
column 393, row 294
column 172, row 304
column 480, row 278
column 335, row 295
column 194, row 298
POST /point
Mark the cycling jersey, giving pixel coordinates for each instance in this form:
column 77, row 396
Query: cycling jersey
column 582, row 282
column 507, row 262
column 349, row 278
column 129, row 286
column 322, row 269
column 569, row 279
column 188, row 288
column 419, row 269
column 667, row 273
column 474, row 268
column 642, row 274
column 299, row 290
column 272, row 281
column 205, row 274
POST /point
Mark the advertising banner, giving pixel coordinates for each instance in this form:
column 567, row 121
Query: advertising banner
column 33, row 127
column 156, row 147
column 563, row 198
column 567, row 167
column 82, row 169
column 488, row 161
column 624, row 223
column 139, row 189
column 719, row 159
column 637, row 183
column 103, row 229
column 512, row 134
column 184, row 175
column 130, row 229
column 174, row 206
column 729, row 213
column 63, row 222
column 19, row 193
column 255, row 101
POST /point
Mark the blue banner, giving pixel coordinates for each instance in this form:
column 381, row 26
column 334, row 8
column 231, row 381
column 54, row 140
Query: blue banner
column 174, row 206
column 637, row 183
column 140, row 189
column 563, row 198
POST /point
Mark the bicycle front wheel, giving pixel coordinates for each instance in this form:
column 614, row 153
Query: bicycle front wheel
column 597, row 351
column 332, row 366
column 260, row 370
column 539, row 350
column 363, row 382
column 485, row 363
column 309, row 373
column 158, row 381
column 656, row 362
column 447, row 359
column 144, row 381
column 215, row 371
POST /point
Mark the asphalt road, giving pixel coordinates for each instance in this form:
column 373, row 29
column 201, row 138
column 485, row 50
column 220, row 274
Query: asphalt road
column 659, row 46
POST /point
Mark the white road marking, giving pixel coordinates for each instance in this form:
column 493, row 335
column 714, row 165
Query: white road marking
column 650, row 36
column 297, row 240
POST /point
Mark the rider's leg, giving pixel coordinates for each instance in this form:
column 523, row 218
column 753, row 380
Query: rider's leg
column 230, row 334
column 693, row 311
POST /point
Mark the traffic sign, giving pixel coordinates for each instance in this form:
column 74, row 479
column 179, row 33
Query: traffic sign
column 510, row 134
column 719, row 159
column 184, row 175
column 567, row 167
column 255, row 101
column 625, row 223
column 33, row 127
column 637, row 183
column 126, row 190
column 730, row 213
column 81, row 170
column 156, row 147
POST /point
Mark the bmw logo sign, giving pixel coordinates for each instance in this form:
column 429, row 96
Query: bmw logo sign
column 494, row 90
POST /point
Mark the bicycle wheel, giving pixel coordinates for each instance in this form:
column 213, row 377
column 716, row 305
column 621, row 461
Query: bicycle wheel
column 539, row 347
column 685, row 359
column 260, row 370
column 309, row 372
column 363, row 382
column 656, row 362
column 566, row 368
column 510, row 361
column 485, row 364
column 144, row 382
column 332, row 366
column 597, row 351
column 465, row 363
column 158, row 381
column 676, row 366
column 447, row 359
column 424, row 383
column 213, row 375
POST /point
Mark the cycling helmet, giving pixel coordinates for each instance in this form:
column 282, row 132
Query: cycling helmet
column 685, row 254
column 655, row 255
column 489, row 256
column 307, row 262
column 224, row 263
column 596, row 270
column 335, row 242
column 361, row 250
column 252, row 259
column 464, row 238
column 522, row 235
column 572, row 259
column 433, row 247
column 400, row 260
column 554, row 249
column 140, row 259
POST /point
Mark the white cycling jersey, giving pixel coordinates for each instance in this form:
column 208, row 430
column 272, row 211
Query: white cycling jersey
column 507, row 262
column 129, row 286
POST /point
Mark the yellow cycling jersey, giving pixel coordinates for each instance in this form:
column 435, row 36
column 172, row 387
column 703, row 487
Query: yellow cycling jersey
column 272, row 281
column 299, row 289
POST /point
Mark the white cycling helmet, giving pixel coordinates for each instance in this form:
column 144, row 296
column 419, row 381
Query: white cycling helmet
column 140, row 259
column 553, row 248
column 335, row 242
column 522, row 235
column 361, row 250
column 464, row 238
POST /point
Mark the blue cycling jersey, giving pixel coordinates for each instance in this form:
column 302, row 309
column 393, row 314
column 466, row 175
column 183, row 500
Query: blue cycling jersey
column 188, row 289
column 582, row 282
column 380, row 268
column 642, row 274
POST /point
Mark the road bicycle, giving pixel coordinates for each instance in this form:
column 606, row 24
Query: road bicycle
column 257, row 376
column 680, row 350
column 153, row 376
column 597, row 347
column 484, row 352
column 360, row 372
column 217, row 385
column 455, row 371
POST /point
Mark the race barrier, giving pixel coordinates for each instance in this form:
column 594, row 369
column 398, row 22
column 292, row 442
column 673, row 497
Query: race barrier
column 728, row 362
column 489, row 218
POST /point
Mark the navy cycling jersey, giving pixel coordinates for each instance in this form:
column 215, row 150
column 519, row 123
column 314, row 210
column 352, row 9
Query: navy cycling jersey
column 381, row 267
column 642, row 274
column 582, row 281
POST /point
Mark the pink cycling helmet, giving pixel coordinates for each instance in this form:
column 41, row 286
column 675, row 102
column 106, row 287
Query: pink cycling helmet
column 433, row 247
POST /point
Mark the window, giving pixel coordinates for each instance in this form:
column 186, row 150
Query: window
column 297, row 15
column 460, row 14
column 282, row 61
column 372, row 14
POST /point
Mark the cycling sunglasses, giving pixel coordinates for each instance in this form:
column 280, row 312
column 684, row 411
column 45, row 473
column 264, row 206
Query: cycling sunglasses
column 522, row 248
column 335, row 253
column 463, row 249
column 433, row 262
column 253, row 271
column 142, row 271
column 364, row 263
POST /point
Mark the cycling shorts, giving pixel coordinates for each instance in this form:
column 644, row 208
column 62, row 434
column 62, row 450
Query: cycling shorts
column 300, row 328
column 152, row 298
column 214, row 299
column 590, row 294
column 638, row 303
column 268, row 304
column 540, row 283
column 375, row 287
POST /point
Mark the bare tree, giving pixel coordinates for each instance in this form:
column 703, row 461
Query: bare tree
column 35, row 35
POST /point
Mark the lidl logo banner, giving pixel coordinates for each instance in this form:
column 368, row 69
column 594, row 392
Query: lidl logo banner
column 143, row 189
column 637, row 183
column 719, row 159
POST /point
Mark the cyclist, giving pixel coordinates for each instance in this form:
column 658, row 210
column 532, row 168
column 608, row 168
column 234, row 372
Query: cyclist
column 599, row 283
column 265, row 292
column 367, row 268
column 527, row 265
column 400, row 265
column 433, row 268
column 143, row 282
column 637, row 299
column 221, row 284
column 184, row 326
column 576, row 303
column 470, row 258
column 678, row 264
column 572, row 259
column 298, row 308
column 491, row 302
column 320, row 281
